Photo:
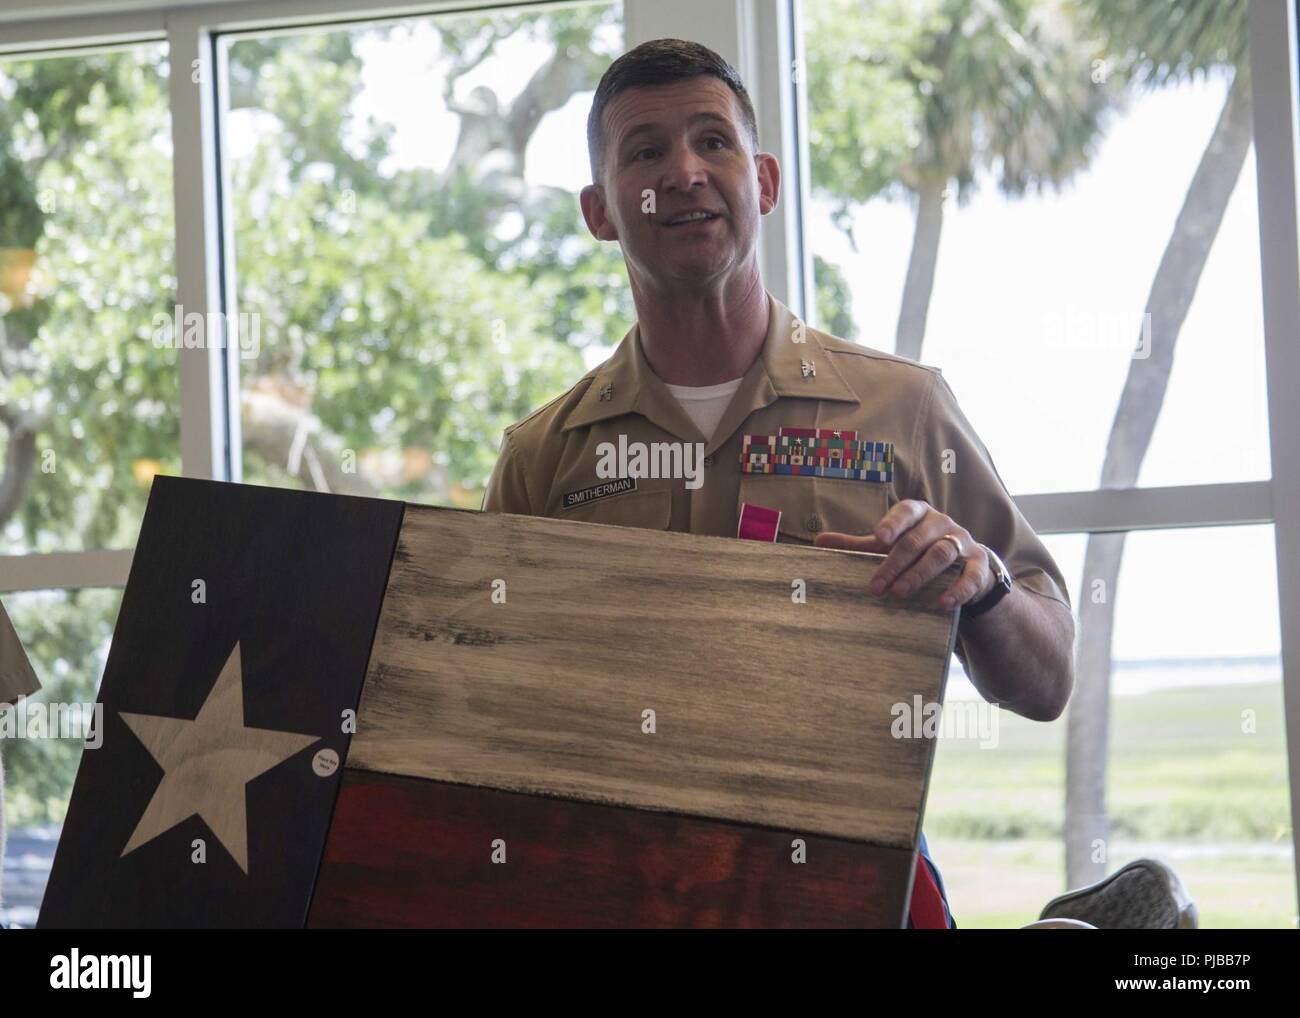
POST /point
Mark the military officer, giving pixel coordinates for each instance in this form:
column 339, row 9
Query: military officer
column 716, row 363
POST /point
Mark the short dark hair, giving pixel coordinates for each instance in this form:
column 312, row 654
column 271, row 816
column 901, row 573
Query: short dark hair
column 660, row 62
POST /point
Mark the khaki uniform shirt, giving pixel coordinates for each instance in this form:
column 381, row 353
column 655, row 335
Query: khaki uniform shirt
column 16, row 675
column 820, row 382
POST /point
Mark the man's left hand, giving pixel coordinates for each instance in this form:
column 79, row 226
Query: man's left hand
column 919, row 543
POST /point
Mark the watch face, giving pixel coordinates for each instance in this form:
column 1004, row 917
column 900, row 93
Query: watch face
column 1002, row 586
column 1000, row 569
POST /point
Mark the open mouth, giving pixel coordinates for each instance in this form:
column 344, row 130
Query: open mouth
column 692, row 219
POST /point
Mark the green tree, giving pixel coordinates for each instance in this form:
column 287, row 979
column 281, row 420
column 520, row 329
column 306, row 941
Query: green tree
column 66, row 634
column 400, row 314
column 546, row 289
column 924, row 99
column 833, row 299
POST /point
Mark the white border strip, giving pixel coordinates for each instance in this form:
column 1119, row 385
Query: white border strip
column 64, row 569
column 1201, row 505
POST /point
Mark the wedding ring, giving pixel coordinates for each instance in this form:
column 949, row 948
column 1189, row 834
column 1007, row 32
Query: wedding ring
column 956, row 543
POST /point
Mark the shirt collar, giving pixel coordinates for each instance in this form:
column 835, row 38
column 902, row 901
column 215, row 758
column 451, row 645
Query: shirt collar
column 792, row 362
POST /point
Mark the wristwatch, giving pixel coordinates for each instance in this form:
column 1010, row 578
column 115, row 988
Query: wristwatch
column 1001, row 587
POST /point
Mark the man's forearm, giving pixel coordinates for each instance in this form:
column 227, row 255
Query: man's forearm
column 1021, row 654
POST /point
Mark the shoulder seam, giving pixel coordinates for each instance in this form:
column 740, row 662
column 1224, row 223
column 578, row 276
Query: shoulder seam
column 859, row 350
column 880, row 355
column 546, row 406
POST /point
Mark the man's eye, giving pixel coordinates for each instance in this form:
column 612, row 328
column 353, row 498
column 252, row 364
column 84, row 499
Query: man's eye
column 720, row 140
column 642, row 152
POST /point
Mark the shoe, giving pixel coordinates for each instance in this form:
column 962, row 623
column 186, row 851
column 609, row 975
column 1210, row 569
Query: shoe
column 1144, row 895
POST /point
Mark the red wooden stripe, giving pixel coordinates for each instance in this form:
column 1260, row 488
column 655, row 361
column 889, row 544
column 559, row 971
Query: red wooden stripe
column 926, row 908
column 403, row 852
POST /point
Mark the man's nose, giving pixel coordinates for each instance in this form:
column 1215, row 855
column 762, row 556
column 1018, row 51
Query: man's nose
column 685, row 169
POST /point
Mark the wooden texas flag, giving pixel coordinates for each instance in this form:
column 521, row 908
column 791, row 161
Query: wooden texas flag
column 333, row 711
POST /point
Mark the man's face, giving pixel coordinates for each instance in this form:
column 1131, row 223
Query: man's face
column 686, row 145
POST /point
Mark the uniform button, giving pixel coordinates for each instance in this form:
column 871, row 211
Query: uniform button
column 708, row 461
column 812, row 524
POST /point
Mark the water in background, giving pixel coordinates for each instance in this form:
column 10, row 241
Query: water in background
column 1133, row 678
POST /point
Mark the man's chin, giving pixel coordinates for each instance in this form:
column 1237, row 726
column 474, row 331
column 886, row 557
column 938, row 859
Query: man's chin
column 694, row 271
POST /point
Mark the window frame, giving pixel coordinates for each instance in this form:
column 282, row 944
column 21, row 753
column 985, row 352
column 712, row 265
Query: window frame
column 762, row 38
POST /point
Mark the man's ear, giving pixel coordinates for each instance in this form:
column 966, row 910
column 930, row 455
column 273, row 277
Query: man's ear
column 592, row 199
column 768, row 171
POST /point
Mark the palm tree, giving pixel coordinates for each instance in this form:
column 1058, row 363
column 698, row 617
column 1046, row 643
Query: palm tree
column 1003, row 89
column 925, row 97
column 1153, row 44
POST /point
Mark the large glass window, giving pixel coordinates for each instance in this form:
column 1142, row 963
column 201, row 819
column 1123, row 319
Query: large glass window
column 1196, row 765
column 1055, row 203
column 409, row 241
column 88, row 400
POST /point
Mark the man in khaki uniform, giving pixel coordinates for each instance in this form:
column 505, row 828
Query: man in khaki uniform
column 16, row 679
column 680, row 183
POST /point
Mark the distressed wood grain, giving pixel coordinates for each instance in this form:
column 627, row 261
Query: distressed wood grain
column 406, row 853
column 767, row 712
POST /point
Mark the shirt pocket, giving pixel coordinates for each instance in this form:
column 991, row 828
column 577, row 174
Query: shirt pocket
column 812, row 505
column 651, row 510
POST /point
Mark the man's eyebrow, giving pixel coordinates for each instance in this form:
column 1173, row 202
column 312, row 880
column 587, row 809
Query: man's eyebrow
column 652, row 125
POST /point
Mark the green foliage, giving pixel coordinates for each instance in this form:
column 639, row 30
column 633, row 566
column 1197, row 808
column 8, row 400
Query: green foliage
column 20, row 214
column 864, row 107
column 926, row 99
column 1181, row 770
column 66, row 635
column 394, row 306
column 1162, row 42
column 80, row 359
column 402, row 340
column 903, row 95
column 405, row 316
column 834, row 300
column 1009, row 90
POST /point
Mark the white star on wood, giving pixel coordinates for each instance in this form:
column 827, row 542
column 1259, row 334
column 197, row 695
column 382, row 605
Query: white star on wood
column 208, row 761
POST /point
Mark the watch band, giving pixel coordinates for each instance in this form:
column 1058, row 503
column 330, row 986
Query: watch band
column 1001, row 588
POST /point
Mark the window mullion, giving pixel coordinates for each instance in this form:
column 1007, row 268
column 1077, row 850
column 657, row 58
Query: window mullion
column 1273, row 57
column 202, row 377
column 1124, row 509
column 70, row 569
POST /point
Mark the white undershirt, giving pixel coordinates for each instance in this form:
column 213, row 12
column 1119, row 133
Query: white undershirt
column 705, row 404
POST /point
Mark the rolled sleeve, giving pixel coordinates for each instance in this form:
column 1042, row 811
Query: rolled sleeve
column 955, row 473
